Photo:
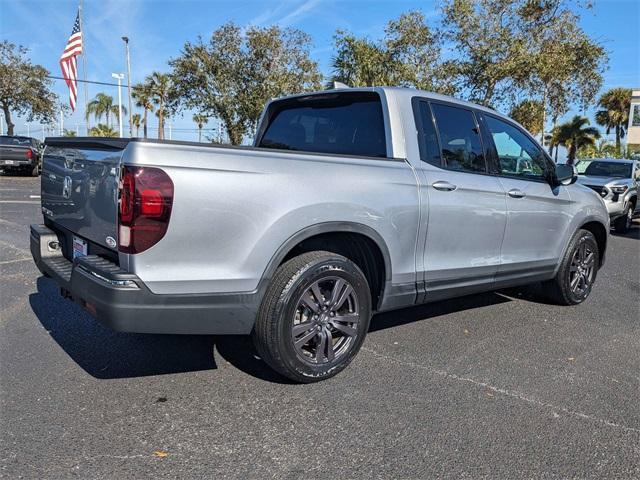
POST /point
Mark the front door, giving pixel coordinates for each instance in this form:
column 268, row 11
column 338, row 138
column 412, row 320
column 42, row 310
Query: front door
column 537, row 214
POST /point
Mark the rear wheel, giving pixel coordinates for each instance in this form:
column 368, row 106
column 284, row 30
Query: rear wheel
column 623, row 224
column 314, row 316
column 577, row 273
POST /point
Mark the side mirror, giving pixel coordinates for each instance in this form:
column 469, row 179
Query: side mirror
column 565, row 174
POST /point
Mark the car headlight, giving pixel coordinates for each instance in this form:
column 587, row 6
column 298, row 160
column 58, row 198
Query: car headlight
column 618, row 189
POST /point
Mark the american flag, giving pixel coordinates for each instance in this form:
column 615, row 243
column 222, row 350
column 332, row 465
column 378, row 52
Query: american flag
column 69, row 62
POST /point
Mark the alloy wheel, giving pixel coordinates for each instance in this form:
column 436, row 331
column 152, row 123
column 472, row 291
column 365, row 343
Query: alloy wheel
column 325, row 322
column 581, row 272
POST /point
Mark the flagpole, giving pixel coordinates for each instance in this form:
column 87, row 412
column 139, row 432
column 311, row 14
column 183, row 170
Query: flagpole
column 84, row 65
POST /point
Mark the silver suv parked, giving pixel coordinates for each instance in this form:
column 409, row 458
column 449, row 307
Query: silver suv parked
column 350, row 202
column 616, row 181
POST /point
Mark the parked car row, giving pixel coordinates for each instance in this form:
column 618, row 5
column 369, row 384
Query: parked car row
column 21, row 155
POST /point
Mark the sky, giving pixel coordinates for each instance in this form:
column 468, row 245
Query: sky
column 159, row 28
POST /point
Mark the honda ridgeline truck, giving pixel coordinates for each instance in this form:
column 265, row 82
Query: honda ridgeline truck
column 350, row 202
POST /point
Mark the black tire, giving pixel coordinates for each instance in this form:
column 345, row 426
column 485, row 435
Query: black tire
column 283, row 308
column 622, row 224
column 559, row 289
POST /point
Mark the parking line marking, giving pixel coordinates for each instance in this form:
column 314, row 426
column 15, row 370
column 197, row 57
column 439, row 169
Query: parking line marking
column 6, row 262
column 34, row 196
column 20, row 201
column 503, row 391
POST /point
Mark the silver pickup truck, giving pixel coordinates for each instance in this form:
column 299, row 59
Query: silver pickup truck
column 350, row 202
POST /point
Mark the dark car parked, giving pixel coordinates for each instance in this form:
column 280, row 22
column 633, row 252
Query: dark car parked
column 20, row 154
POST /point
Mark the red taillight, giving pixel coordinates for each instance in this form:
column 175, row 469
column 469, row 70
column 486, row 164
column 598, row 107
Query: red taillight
column 146, row 198
column 29, row 154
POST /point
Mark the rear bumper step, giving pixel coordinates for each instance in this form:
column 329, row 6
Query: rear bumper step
column 123, row 302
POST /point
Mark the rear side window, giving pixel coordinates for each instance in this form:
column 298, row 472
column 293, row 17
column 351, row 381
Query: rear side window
column 427, row 138
column 459, row 138
column 348, row 124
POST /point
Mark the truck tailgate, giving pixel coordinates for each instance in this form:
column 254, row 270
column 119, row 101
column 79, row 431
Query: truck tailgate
column 80, row 187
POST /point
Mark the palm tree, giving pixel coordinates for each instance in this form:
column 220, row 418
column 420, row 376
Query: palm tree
column 159, row 88
column 103, row 105
column 575, row 134
column 200, row 121
column 136, row 121
column 614, row 114
column 102, row 130
column 143, row 99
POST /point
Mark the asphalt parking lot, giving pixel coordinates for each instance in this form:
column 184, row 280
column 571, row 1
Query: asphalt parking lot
column 496, row 385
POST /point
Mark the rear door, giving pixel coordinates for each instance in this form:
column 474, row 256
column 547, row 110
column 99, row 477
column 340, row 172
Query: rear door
column 466, row 206
column 80, row 187
column 538, row 215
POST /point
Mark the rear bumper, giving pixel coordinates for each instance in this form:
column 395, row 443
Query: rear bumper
column 122, row 301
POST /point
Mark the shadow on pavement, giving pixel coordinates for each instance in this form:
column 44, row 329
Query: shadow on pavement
column 106, row 354
column 396, row 318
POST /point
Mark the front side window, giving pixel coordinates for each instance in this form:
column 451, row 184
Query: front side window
column 518, row 155
column 348, row 124
column 459, row 138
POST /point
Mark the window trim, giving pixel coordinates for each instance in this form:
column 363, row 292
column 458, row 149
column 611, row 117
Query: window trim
column 550, row 164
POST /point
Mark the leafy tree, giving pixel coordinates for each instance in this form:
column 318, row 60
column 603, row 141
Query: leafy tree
column 614, row 113
column 102, row 130
column 69, row 133
column 102, row 105
column 136, row 121
column 237, row 71
column 142, row 96
column 529, row 114
column 576, row 134
column 25, row 89
column 200, row 121
column 160, row 90
column 408, row 55
column 532, row 46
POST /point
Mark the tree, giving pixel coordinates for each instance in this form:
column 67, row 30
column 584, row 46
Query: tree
column 409, row 55
column 136, row 121
column 235, row 73
column 529, row 114
column 161, row 94
column 142, row 96
column 25, row 89
column 102, row 130
column 506, row 48
column 614, row 114
column 576, row 134
column 102, row 105
column 69, row 133
column 200, row 121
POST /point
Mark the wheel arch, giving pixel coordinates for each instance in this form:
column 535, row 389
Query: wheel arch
column 599, row 231
column 358, row 242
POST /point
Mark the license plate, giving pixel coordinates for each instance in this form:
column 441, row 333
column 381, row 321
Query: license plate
column 79, row 247
column 8, row 162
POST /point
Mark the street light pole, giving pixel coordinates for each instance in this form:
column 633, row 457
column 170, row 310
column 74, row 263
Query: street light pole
column 119, row 77
column 126, row 46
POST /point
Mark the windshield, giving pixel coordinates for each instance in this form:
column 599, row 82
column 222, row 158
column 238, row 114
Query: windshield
column 596, row 168
column 15, row 141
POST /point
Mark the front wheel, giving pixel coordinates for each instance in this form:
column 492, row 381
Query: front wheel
column 314, row 316
column 577, row 273
column 623, row 224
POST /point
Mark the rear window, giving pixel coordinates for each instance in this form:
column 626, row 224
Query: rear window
column 347, row 124
column 16, row 141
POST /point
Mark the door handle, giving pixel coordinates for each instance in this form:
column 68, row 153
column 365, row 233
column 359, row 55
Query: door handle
column 515, row 193
column 444, row 186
